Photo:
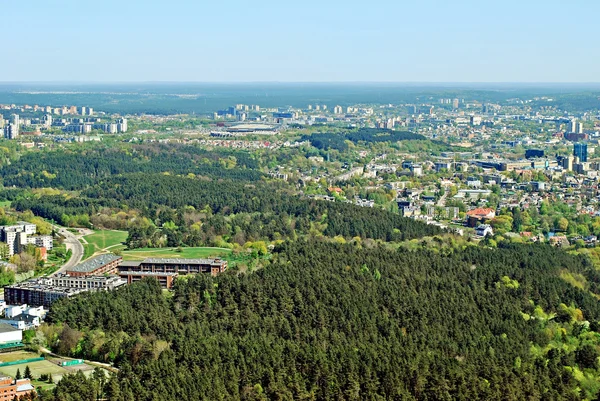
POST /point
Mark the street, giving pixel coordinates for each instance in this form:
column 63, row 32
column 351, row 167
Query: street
column 73, row 244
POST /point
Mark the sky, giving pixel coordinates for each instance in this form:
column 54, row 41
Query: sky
column 299, row 41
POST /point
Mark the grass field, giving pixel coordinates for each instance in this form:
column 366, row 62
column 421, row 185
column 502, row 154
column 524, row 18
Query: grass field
column 102, row 240
column 5, row 204
column 37, row 369
column 143, row 253
column 17, row 356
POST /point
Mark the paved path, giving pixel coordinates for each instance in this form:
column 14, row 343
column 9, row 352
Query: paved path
column 73, row 244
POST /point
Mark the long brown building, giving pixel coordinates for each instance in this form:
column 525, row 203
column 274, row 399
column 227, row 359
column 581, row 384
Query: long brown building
column 101, row 264
column 165, row 270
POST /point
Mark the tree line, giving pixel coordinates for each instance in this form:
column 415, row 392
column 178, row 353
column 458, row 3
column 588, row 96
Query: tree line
column 327, row 321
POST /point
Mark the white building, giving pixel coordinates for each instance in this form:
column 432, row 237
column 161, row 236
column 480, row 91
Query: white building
column 18, row 235
column 40, row 241
column 14, row 310
column 484, row 229
column 9, row 334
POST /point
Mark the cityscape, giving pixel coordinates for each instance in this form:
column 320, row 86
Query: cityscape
column 315, row 201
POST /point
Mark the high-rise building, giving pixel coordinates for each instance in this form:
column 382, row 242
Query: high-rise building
column 580, row 151
column 15, row 120
column 122, row 125
column 573, row 126
column 455, row 104
column 567, row 163
column 338, row 110
column 47, row 120
column 83, row 111
column 90, row 111
column 11, row 131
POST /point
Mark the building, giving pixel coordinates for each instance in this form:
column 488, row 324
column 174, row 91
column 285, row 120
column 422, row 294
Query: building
column 11, row 131
column 442, row 165
column 23, row 322
column 85, row 282
column 534, row 153
column 44, row 291
column 11, row 389
column 17, row 236
column 180, row 266
column 166, row 280
column 580, row 150
column 483, row 230
column 41, row 241
column 122, row 125
column 416, row 170
column 10, row 337
column 101, row 264
column 477, row 216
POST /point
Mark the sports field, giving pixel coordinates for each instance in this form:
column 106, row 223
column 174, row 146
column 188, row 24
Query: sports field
column 17, row 356
column 193, row 253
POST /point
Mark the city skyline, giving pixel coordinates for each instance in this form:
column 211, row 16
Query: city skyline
column 384, row 41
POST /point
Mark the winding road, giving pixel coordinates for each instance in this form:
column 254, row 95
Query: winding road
column 73, row 244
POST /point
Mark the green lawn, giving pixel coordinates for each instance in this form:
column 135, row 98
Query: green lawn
column 37, row 369
column 103, row 240
column 17, row 356
column 143, row 253
column 88, row 251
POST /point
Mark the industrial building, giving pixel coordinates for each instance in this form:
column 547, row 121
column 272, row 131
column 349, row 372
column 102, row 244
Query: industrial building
column 101, row 264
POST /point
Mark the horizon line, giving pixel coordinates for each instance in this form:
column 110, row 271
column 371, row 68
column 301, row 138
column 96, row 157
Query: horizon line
column 313, row 82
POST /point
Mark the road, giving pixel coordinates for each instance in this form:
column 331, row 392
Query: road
column 442, row 201
column 73, row 244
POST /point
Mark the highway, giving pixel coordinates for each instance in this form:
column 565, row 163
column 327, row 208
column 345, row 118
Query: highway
column 73, row 244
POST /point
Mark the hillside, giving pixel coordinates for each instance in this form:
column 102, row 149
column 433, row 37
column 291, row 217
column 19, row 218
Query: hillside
column 326, row 321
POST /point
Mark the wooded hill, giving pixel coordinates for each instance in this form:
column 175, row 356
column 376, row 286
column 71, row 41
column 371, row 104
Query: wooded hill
column 330, row 322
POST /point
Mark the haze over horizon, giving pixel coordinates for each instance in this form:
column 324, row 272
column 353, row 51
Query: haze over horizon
column 334, row 42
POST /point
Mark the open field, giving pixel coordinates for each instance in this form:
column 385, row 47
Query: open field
column 102, row 240
column 37, row 369
column 5, row 204
column 17, row 356
column 201, row 252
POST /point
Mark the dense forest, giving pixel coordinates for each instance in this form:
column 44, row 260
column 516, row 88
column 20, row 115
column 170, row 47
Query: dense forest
column 234, row 210
column 71, row 170
column 328, row 322
column 328, row 141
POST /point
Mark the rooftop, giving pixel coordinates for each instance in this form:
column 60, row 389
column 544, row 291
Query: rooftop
column 94, row 263
column 157, row 274
column 176, row 261
column 7, row 328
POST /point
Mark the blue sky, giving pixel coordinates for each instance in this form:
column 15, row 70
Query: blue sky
column 298, row 41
